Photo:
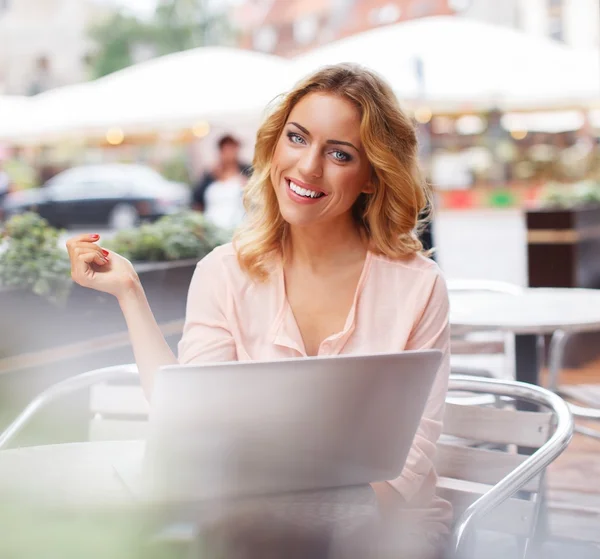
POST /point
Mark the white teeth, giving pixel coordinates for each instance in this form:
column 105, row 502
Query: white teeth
column 303, row 191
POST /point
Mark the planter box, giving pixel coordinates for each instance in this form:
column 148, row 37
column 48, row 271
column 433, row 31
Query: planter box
column 564, row 251
column 29, row 324
column 564, row 247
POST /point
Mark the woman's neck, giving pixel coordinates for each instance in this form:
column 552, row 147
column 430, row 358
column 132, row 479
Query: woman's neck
column 321, row 248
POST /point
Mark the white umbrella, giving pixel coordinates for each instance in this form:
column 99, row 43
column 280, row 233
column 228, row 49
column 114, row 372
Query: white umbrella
column 203, row 83
column 465, row 61
column 14, row 112
column 216, row 84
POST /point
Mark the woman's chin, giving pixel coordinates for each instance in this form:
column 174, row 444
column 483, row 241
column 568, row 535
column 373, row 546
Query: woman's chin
column 295, row 220
column 296, row 215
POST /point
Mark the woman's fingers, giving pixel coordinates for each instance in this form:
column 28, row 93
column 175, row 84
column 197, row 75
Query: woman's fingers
column 85, row 248
column 94, row 257
column 78, row 239
column 83, row 258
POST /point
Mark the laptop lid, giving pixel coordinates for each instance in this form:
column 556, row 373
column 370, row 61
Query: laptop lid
column 249, row 428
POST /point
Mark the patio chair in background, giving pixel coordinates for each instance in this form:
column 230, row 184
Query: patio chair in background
column 485, row 343
column 585, row 399
column 588, row 395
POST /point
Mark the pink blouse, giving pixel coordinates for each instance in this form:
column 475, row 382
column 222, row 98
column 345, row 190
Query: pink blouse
column 398, row 305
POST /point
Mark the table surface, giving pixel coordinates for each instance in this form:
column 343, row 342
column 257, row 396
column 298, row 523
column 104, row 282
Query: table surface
column 536, row 311
column 59, row 495
column 75, row 475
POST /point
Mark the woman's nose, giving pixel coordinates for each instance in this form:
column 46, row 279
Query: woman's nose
column 310, row 164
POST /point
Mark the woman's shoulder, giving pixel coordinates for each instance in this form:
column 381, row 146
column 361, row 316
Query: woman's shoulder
column 417, row 276
column 416, row 264
column 223, row 256
column 221, row 270
column 223, row 261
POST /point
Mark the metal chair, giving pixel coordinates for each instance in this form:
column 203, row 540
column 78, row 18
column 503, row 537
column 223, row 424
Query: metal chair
column 123, row 374
column 556, row 354
column 487, row 342
column 556, row 350
column 490, row 489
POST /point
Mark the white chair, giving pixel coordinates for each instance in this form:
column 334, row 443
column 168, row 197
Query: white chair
column 485, row 343
column 492, row 344
column 109, row 412
column 491, row 489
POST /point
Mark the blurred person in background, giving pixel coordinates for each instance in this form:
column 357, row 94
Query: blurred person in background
column 5, row 186
column 219, row 192
column 327, row 262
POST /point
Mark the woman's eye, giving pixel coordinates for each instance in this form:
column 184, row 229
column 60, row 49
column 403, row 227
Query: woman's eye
column 341, row 156
column 295, row 138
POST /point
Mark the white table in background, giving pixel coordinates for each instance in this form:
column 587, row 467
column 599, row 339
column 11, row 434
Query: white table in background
column 538, row 311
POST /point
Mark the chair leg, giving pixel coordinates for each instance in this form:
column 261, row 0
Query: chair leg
column 539, row 530
column 587, row 431
column 556, row 352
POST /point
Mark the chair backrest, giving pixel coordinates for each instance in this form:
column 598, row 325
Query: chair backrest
column 481, row 285
column 106, row 408
column 492, row 457
column 478, row 449
column 486, row 343
column 118, row 411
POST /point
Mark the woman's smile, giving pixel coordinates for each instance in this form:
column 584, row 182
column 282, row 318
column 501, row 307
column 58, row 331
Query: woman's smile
column 303, row 193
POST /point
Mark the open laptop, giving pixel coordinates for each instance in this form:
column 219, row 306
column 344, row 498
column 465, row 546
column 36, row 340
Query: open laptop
column 256, row 428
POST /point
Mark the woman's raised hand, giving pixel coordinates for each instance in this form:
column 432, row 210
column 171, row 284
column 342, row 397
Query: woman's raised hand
column 97, row 268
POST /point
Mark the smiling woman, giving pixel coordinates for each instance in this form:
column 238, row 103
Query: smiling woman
column 341, row 149
column 328, row 262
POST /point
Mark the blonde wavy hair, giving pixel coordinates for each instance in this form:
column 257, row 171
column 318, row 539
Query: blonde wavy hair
column 390, row 217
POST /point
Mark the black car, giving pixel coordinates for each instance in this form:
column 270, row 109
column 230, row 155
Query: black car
column 113, row 195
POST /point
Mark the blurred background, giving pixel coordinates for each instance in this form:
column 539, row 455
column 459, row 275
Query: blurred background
column 506, row 96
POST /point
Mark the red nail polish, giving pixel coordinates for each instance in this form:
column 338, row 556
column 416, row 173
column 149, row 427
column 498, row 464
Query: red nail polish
column 94, row 236
column 105, row 252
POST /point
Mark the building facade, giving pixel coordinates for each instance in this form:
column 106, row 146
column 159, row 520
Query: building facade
column 44, row 43
column 289, row 27
column 573, row 22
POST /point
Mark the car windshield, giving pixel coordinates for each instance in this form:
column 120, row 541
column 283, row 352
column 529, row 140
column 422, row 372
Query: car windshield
column 134, row 175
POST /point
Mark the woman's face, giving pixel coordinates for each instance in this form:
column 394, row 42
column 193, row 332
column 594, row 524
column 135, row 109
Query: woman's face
column 319, row 168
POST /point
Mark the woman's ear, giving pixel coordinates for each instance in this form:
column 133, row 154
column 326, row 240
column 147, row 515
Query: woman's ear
column 369, row 188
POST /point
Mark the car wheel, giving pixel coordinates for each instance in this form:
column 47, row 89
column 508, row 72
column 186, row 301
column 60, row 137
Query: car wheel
column 123, row 216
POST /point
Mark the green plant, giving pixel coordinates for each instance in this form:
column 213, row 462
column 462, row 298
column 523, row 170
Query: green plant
column 174, row 237
column 175, row 169
column 570, row 195
column 30, row 257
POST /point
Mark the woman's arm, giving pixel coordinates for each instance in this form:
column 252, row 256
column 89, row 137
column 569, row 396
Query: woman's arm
column 150, row 349
column 206, row 334
column 96, row 268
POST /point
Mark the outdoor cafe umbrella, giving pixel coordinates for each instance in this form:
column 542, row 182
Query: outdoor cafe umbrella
column 452, row 61
column 215, row 84
column 14, row 111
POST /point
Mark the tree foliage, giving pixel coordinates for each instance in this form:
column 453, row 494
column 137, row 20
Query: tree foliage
column 177, row 25
column 31, row 258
